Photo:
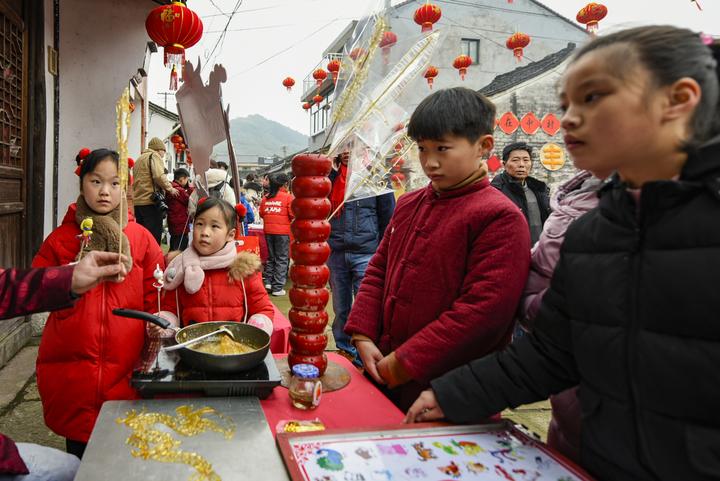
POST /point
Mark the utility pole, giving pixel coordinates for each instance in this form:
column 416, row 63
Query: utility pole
column 166, row 95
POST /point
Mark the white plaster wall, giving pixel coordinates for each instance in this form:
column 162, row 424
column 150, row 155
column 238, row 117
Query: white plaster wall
column 102, row 44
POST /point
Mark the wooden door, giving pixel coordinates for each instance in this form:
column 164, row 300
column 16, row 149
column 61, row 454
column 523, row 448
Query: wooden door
column 13, row 67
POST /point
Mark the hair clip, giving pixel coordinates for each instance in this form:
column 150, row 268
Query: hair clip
column 202, row 199
column 241, row 211
column 81, row 156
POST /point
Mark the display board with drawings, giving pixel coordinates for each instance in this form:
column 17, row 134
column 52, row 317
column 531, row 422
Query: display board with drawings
column 428, row 452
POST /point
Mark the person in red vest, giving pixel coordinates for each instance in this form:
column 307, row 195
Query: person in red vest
column 27, row 291
column 276, row 214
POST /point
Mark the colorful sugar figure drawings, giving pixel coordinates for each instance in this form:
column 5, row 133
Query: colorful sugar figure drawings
column 475, row 454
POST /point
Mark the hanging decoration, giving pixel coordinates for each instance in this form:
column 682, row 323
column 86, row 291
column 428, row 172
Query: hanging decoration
column 590, row 15
column 494, row 163
column 388, row 40
column 430, row 75
column 552, row 156
column 333, row 67
column 550, row 124
column 427, row 15
column 462, row 62
column 508, row 123
column 529, row 123
column 317, row 99
column 517, row 42
column 309, row 252
column 306, row 106
column 175, row 28
column 319, row 75
column 356, row 54
column 288, row 83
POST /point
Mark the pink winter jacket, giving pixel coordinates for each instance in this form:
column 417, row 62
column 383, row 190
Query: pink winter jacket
column 573, row 199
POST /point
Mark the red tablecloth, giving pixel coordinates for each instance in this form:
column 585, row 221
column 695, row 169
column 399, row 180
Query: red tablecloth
column 280, row 339
column 359, row 404
column 263, row 244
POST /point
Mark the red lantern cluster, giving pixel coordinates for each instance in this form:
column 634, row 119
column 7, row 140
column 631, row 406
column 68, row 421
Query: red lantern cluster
column 288, row 83
column 175, row 28
column 591, row 14
column 517, row 42
column 462, row 62
column 333, row 67
column 179, row 143
column 386, row 43
column 427, row 15
column 309, row 252
column 430, row 75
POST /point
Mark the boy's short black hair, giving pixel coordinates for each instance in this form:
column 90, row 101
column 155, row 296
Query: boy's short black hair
column 180, row 173
column 516, row 146
column 457, row 111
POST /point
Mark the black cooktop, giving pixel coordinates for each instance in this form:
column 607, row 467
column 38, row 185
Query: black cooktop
column 167, row 374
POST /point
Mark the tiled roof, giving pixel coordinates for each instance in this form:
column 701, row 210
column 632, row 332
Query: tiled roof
column 511, row 79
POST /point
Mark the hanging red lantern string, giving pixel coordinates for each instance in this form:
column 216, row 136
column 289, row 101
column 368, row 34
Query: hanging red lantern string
column 591, row 14
column 306, row 106
column 288, row 83
column 517, row 42
column 319, row 75
column 430, row 75
column 427, row 15
column 318, row 98
column 176, row 139
column 333, row 67
column 462, row 62
column 175, row 28
column 388, row 40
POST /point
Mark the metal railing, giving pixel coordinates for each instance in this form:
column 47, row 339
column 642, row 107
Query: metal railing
column 310, row 84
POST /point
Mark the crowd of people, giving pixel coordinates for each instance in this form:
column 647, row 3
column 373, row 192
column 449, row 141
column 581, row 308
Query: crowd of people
column 610, row 280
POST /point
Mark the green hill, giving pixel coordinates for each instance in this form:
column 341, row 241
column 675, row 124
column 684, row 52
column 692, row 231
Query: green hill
column 255, row 136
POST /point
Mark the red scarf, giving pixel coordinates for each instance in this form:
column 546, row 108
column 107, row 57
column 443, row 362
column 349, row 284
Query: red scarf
column 337, row 194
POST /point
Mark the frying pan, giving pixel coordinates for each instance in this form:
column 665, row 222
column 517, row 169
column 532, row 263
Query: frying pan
column 251, row 335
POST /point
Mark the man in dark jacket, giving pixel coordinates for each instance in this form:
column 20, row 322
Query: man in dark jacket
column 531, row 195
column 356, row 230
column 178, row 217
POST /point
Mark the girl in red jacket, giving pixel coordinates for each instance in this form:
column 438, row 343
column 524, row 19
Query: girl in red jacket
column 211, row 280
column 276, row 214
column 86, row 353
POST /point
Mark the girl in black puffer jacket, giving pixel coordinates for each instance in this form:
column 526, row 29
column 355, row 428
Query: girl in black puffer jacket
column 633, row 311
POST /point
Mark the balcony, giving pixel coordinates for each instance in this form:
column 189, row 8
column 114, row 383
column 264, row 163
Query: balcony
column 310, row 84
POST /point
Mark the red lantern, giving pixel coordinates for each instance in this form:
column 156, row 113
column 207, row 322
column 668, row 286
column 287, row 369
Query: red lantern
column 388, row 40
column 319, row 75
column 356, row 54
column 288, row 83
column 397, row 178
column 430, row 75
column 318, row 98
column 462, row 62
column 427, row 15
column 517, row 42
column 333, row 67
column 309, row 274
column 176, row 139
column 306, row 105
column 591, row 14
column 175, row 28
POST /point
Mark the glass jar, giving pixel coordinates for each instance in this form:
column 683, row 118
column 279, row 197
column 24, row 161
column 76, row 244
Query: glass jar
column 305, row 386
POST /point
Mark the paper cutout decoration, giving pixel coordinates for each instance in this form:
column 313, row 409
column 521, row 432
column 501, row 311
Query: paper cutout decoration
column 508, row 123
column 552, row 157
column 494, row 163
column 530, row 123
column 550, row 124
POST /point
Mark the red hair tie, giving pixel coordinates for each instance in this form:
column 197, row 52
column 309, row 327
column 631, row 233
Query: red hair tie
column 202, row 199
column 81, row 156
column 241, row 211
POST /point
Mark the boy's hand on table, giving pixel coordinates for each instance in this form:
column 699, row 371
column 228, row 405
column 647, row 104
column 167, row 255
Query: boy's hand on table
column 425, row 408
column 370, row 355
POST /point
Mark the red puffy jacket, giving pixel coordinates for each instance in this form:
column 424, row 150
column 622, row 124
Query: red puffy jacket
column 178, row 222
column 221, row 296
column 86, row 353
column 276, row 212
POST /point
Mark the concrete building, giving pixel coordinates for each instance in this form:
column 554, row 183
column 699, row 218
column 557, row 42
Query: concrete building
column 478, row 28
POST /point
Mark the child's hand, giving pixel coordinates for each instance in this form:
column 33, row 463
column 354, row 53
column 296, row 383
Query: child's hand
column 159, row 332
column 425, row 408
column 370, row 355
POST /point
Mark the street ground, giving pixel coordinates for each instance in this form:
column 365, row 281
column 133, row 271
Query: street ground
column 21, row 411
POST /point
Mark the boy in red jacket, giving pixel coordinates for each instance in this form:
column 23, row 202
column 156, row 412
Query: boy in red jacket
column 445, row 282
column 277, row 216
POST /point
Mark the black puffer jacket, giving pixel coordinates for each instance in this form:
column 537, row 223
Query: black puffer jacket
column 513, row 190
column 633, row 316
